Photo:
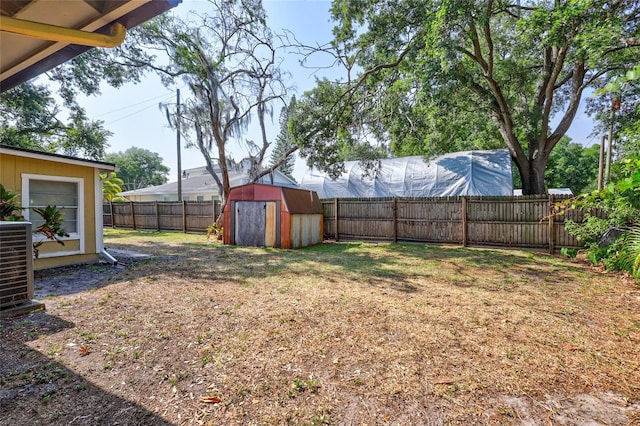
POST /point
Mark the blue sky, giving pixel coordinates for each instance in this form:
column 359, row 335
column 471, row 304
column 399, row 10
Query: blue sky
column 133, row 115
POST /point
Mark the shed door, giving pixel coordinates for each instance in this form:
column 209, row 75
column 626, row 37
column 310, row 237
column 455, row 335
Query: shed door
column 250, row 223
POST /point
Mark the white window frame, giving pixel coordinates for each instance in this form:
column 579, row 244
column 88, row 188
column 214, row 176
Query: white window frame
column 79, row 235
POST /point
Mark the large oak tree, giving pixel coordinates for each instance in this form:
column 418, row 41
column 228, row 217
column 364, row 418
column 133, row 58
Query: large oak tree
column 449, row 74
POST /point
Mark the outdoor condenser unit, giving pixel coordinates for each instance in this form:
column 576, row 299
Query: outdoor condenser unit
column 16, row 264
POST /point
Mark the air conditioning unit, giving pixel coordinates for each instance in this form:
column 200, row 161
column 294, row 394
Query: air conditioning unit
column 16, row 264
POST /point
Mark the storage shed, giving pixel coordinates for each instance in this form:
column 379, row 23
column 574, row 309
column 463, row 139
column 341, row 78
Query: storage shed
column 272, row 216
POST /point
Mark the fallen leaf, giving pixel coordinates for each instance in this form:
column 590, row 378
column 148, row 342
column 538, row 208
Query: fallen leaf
column 443, row 381
column 210, row 399
column 84, row 350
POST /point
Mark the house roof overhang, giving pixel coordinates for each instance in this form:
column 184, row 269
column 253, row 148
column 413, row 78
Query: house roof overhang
column 59, row 30
column 29, row 153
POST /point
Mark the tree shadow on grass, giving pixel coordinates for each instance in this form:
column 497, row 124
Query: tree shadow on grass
column 382, row 265
column 36, row 389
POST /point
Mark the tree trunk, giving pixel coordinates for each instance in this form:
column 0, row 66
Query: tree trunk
column 533, row 178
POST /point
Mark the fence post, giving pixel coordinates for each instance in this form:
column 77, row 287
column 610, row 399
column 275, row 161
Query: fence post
column 133, row 215
column 395, row 220
column 552, row 231
column 157, row 216
column 335, row 215
column 113, row 222
column 184, row 217
column 464, row 221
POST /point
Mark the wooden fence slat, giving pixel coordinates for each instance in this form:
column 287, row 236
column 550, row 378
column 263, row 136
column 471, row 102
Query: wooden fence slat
column 157, row 216
column 464, row 221
column 133, row 214
column 337, row 220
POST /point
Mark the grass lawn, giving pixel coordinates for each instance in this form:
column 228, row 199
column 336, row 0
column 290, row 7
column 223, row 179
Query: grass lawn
column 341, row 333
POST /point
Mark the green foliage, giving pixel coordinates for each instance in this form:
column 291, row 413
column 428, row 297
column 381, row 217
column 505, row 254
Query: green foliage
column 9, row 209
column 363, row 152
column 569, row 252
column 431, row 77
column 111, row 187
column 138, row 168
column 284, row 142
column 616, row 206
column 630, row 256
column 215, row 230
column 619, row 112
column 29, row 118
column 51, row 228
column 573, row 166
column 609, row 256
column 319, row 126
column 85, row 73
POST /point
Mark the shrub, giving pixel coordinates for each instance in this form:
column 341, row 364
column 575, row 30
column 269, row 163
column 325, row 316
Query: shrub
column 619, row 207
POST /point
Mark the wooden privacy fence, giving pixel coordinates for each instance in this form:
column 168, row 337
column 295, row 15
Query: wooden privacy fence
column 182, row 216
column 518, row 222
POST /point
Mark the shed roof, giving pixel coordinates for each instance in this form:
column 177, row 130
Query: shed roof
column 302, row 201
column 297, row 201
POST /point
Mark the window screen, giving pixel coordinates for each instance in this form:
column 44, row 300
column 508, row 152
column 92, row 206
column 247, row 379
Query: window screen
column 63, row 195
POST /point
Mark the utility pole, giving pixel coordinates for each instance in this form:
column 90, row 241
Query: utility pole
column 601, row 163
column 607, row 167
column 178, row 143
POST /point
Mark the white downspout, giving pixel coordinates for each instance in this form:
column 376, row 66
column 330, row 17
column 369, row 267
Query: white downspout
column 99, row 224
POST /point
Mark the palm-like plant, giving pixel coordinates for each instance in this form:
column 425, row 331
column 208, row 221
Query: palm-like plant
column 631, row 252
column 9, row 209
column 52, row 226
column 111, row 186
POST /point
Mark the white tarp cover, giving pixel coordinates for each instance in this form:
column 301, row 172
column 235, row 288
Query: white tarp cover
column 457, row 173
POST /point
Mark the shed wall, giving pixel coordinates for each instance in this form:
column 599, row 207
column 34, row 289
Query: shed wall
column 306, row 230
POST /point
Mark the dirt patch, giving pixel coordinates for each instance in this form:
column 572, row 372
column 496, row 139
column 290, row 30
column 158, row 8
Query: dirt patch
column 66, row 280
column 337, row 334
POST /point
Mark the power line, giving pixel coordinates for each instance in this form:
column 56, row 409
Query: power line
column 130, row 114
column 165, row 95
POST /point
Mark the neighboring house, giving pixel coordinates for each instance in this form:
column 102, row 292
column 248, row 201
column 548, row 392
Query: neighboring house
column 457, row 173
column 199, row 185
column 69, row 183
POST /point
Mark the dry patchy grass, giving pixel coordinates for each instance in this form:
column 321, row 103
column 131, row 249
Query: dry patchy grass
column 342, row 333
